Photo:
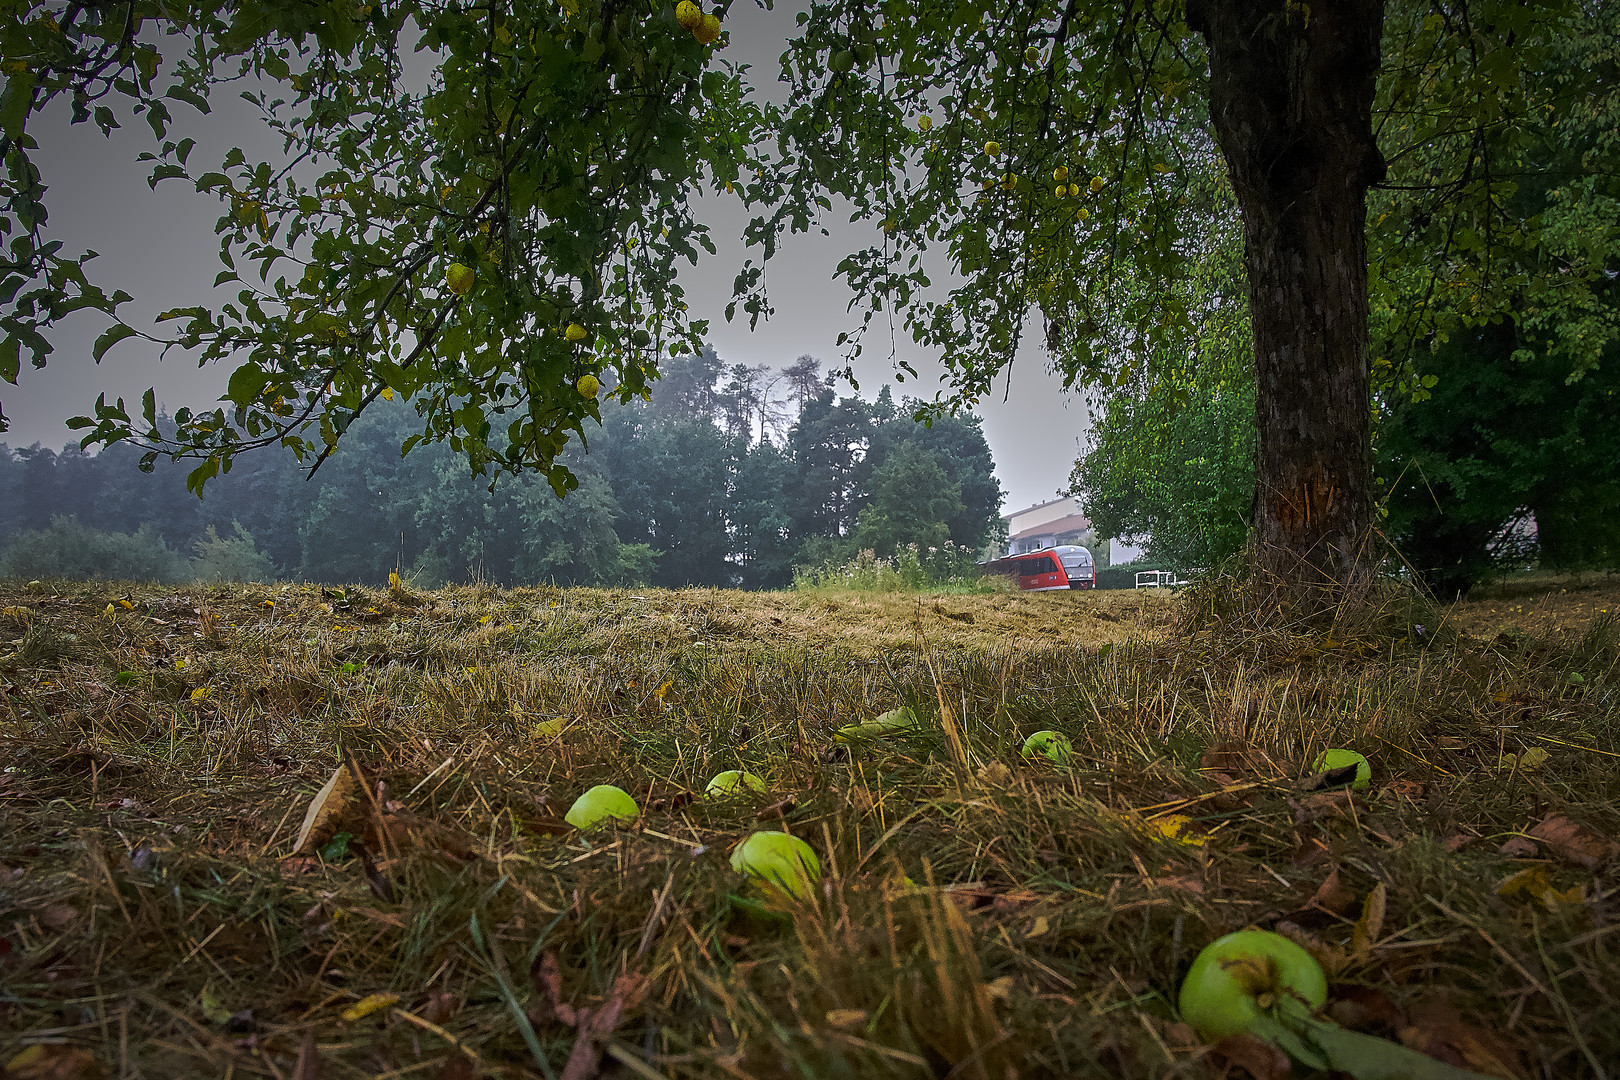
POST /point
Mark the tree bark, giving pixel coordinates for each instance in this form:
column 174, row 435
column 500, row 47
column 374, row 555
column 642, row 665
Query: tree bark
column 1291, row 94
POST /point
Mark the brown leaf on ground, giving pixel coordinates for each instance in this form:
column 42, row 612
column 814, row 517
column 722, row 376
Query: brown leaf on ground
column 404, row 831
column 1519, row 847
column 56, row 916
column 1456, row 842
column 1364, row 1008
column 1181, row 883
column 1435, row 1028
column 1333, row 896
column 1572, row 842
column 53, row 1061
column 1310, row 854
column 440, row 1006
column 326, row 809
column 1322, row 805
column 547, row 979
column 596, row 1026
column 1402, row 789
column 1258, row 1059
column 1369, row 926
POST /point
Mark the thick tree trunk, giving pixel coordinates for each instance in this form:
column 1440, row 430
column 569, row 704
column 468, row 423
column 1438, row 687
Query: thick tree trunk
column 1291, row 93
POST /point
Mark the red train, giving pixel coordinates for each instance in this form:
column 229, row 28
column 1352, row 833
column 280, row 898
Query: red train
column 1066, row 566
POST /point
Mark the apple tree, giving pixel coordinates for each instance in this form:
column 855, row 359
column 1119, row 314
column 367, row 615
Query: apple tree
column 492, row 247
column 1051, row 146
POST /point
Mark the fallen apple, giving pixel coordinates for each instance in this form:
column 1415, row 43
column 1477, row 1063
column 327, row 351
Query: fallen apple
column 778, row 861
column 1054, row 745
column 734, row 782
column 602, row 802
column 1329, row 760
column 1235, row 983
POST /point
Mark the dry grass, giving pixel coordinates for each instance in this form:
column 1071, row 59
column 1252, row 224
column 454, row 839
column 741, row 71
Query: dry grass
column 159, row 759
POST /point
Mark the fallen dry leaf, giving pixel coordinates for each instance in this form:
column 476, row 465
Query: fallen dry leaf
column 1322, row 805
column 53, row 1061
column 1364, row 1008
column 325, row 809
column 1519, row 847
column 847, row 1019
column 439, row 1007
column 368, row 1005
column 596, row 1026
column 1370, row 926
column 547, row 979
column 57, row 916
column 1572, row 842
column 1259, row 1059
column 1436, row 1029
column 1333, row 896
column 1534, row 884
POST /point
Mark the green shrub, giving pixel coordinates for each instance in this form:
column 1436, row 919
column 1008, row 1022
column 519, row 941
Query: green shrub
column 236, row 559
column 943, row 569
column 70, row 550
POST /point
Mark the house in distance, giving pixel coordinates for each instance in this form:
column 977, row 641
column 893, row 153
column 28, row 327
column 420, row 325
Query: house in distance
column 1050, row 524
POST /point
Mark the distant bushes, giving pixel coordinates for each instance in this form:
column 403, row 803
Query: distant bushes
column 943, row 569
column 68, row 549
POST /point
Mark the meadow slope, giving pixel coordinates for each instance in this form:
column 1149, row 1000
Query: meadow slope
column 980, row 914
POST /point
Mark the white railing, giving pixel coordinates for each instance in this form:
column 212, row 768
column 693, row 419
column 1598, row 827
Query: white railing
column 1159, row 579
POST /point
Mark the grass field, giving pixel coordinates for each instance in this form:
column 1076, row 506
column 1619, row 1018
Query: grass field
column 979, row 914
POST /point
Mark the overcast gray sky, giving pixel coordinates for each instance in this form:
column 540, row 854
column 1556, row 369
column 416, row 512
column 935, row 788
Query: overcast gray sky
column 160, row 247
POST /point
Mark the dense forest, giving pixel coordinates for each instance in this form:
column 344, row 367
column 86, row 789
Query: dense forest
column 729, row 476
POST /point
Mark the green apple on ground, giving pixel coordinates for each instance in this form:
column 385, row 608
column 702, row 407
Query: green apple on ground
column 734, row 782
column 1054, row 745
column 603, row 804
column 778, row 861
column 1238, row 979
column 1329, row 760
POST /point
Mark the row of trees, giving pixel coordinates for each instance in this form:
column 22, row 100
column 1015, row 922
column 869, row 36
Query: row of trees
column 731, row 477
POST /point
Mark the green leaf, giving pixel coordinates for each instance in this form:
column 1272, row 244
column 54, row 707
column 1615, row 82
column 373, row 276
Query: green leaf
column 1367, row 1058
column 110, row 337
column 246, row 383
column 15, row 102
column 190, row 97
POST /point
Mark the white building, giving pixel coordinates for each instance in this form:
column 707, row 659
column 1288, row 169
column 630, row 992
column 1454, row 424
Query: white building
column 1048, row 524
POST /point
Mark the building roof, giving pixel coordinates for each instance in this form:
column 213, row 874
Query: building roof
column 1037, row 506
column 1074, row 523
